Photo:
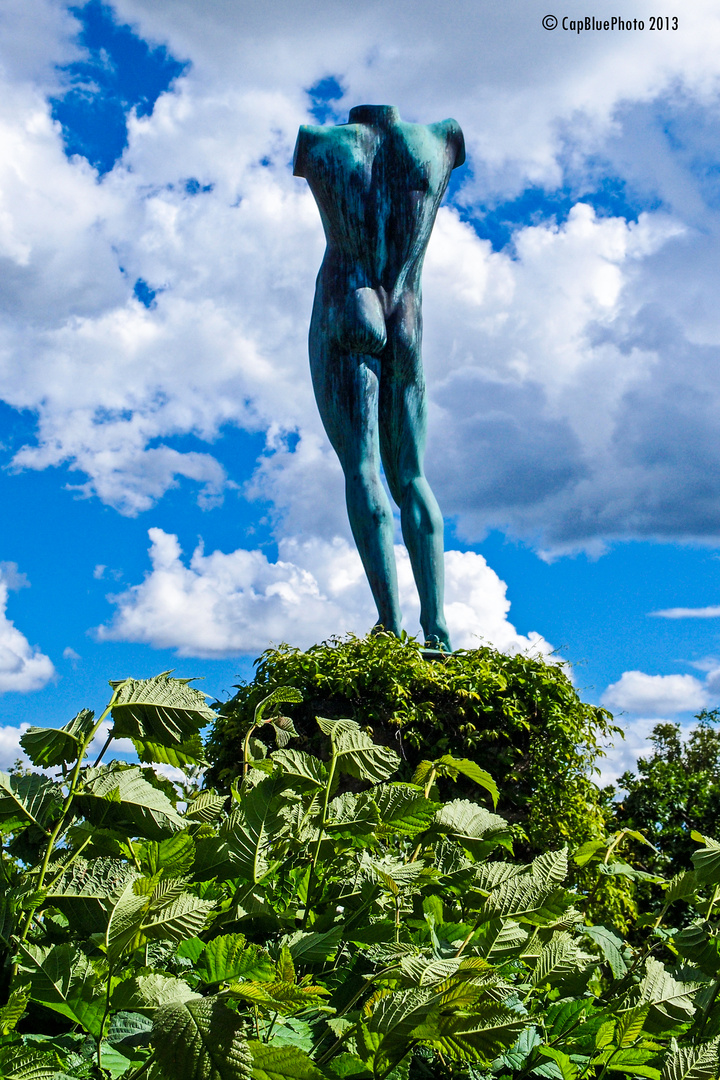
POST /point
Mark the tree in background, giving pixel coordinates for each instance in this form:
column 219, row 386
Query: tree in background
column 675, row 791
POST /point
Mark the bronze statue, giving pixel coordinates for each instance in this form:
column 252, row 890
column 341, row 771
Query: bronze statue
column 378, row 183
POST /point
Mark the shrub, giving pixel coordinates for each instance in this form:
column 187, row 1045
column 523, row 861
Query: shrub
column 323, row 920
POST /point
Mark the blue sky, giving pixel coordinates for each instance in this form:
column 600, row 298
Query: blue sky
column 170, row 500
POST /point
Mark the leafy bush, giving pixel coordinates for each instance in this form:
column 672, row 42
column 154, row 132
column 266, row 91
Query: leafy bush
column 321, row 921
column 517, row 714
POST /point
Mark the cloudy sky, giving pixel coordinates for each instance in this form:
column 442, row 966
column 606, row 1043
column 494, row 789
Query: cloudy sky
column 169, row 499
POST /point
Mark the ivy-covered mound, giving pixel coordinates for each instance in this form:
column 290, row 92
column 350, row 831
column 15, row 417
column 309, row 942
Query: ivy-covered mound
column 518, row 715
column 323, row 920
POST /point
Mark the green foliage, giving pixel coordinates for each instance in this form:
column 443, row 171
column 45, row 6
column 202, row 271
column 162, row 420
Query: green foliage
column 519, row 716
column 676, row 790
column 329, row 919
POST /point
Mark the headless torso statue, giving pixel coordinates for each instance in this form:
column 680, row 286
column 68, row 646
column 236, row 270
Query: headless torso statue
column 378, row 183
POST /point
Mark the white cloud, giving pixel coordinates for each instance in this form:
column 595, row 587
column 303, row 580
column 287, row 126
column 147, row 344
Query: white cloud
column 225, row 604
column 553, row 366
column 70, row 654
column 10, row 748
column 712, row 612
column 636, row 692
column 23, row 667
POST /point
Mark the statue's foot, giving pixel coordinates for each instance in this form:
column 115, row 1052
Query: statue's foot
column 438, row 637
column 380, row 628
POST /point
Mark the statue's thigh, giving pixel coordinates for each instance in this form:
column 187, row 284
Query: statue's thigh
column 403, row 415
column 347, row 390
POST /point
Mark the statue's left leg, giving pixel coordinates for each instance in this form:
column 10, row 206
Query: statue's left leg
column 403, row 422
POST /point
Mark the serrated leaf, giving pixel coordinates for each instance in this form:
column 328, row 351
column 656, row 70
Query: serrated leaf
column 357, row 755
column 466, row 821
column 404, row 809
column 307, row 771
column 352, row 815
column 165, row 913
column 147, row 993
column 229, row 957
column 160, row 711
column 47, row 747
column 252, row 828
column 282, row 1063
column 62, row 979
column 692, row 1063
column 201, row 1040
column 557, row 957
column 706, row 862
column 285, row 967
column 87, row 891
column 206, row 807
column 121, row 798
column 281, row 695
column 454, row 767
column 12, row 1013
column 308, row 947
column 667, row 997
column 29, row 799
column 17, row 1062
column 173, row 857
column 610, row 945
column 488, row 1031
column 568, row 1069
column 189, row 752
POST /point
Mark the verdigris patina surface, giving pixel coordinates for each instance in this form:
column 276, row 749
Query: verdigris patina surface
column 378, row 183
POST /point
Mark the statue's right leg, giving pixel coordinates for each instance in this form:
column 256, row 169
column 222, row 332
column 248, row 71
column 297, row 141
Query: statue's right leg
column 346, row 389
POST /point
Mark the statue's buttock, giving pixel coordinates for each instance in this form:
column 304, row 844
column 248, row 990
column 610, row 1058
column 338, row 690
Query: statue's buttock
column 378, row 183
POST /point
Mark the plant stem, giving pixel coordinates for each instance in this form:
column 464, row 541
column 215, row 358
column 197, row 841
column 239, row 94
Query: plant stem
column 246, row 750
column 63, row 819
column 321, row 836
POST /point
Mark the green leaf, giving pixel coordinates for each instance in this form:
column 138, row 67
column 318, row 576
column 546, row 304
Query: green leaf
column 481, row 1036
column 610, row 945
column 465, row 820
column 306, row 771
column 173, row 857
column 87, row 891
column 201, row 1040
column 206, row 807
column 57, row 746
column 189, row 752
column 669, row 999
column 281, row 695
column 352, row 815
column 228, row 957
column 692, row 1063
column 147, row 993
column 404, row 809
column 30, row 799
column 707, row 862
column 357, row 755
column 12, row 1013
column 119, row 797
column 17, row 1062
column 252, row 828
column 568, row 1070
column 167, row 913
column 281, row 1063
column 62, row 979
column 454, row 767
column 557, row 957
column 312, row 947
column 160, row 712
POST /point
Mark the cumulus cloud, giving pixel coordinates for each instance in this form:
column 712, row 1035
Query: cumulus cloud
column 225, row 604
column 639, row 693
column 23, row 667
column 553, row 365
column 10, row 748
